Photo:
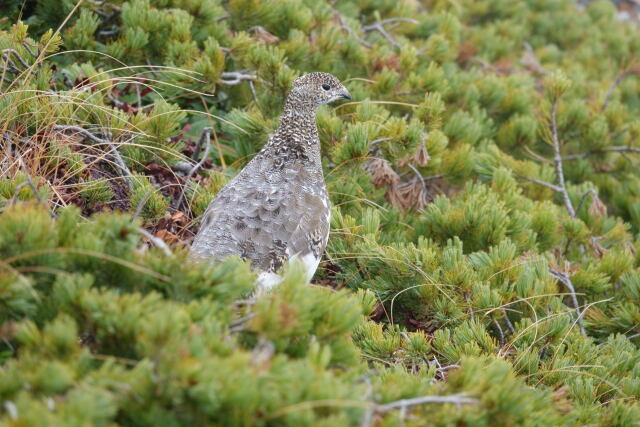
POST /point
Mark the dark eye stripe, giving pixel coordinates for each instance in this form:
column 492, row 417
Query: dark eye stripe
column 326, row 86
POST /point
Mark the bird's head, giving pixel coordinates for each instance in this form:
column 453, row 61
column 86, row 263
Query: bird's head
column 315, row 89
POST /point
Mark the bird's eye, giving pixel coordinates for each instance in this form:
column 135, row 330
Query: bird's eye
column 326, row 86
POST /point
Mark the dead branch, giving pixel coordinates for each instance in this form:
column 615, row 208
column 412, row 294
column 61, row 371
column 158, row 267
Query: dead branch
column 141, row 204
column 115, row 154
column 238, row 325
column 543, row 183
column 28, row 182
column 557, row 159
column 367, row 417
column 537, row 156
column 159, row 243
column 232, row 78
column 205, row 139
column 124, row 170
column 83, row 132
column 530, row 61
column 456, row 399
column 26, row 47
column 500, row 331
column 584, row 197
column 614, row 149
column 621, row 77
column 349, row 30
column 379, row 27
column 564, row 279
column 182, row 166
column 6, row 52
column 508, row 321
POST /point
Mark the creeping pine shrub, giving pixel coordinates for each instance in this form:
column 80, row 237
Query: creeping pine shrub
column 484, row 261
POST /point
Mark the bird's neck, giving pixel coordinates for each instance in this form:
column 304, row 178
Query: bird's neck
column 297, row 136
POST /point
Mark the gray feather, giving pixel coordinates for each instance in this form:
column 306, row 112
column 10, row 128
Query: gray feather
column 277, row 206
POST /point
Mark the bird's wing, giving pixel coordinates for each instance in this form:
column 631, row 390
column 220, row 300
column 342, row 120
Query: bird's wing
column 264, row 216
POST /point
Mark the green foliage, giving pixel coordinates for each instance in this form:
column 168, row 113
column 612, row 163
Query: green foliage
column 456, row 263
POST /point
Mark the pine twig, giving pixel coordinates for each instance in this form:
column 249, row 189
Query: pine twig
column 238, row 324
column 561, row 186
column 621, row 77
column 182, row 166
column 117, row 157
column 557, row 160
column 141, row 204
column 584, row 197
column 500, row 331
column 564, row 279
column 508, row 321
column 232, row 78
column 205, row 139
column 543, row 183
column 456, row 399
column 124, row 170
column 367, row 417
column 613, row 149
column 28, row 182
column 349, row 30
column 618, row 149
column 16, row 54
column 156, row 241
column 379, row 27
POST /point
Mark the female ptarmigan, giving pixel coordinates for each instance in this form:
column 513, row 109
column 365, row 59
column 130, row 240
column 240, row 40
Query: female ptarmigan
column 276, row 209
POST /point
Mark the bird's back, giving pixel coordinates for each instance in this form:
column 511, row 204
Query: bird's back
column 271, row 212
column 277, row 209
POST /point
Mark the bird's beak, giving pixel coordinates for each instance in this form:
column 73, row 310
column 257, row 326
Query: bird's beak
column 345, row 94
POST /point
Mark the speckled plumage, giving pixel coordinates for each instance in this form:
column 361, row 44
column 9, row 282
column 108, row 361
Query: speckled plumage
column 277, row 207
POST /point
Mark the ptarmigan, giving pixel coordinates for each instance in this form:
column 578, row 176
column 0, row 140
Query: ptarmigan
column 276, row 209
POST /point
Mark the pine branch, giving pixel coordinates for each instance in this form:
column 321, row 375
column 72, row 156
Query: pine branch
column 205, row 139
column 6, row 52
column 500, row 331
column 141, row 204
column 621, row 77
column 118, row 160
column 232, row 78
column 349, row 30
column 543, row 183
column 456, row 399
column 614, row 149
column 557, row 159
column 508, row 321
column 156, row 241
column 564, row 279
column 379, row 27
column 182, row 166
